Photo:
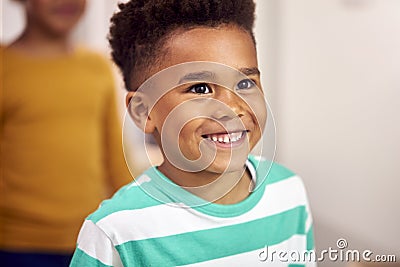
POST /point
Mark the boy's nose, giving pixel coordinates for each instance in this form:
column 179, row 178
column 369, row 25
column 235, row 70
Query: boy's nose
column 231, row 106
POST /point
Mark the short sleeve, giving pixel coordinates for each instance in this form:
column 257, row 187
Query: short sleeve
column 94, row 248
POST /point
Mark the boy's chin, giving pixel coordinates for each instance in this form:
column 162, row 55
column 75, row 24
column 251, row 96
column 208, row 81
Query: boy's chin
column 230, row 165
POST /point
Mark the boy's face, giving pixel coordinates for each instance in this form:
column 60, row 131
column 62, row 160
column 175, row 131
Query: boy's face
column 55, row 17
column 211, row 117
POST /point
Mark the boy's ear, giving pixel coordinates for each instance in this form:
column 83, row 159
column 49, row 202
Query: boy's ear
column 138, row 109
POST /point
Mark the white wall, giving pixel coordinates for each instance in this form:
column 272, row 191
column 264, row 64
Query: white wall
column 335, row 99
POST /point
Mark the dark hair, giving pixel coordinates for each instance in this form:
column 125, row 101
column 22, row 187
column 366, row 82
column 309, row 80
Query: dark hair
column 141, row 27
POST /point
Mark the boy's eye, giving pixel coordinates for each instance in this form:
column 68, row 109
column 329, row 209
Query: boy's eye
column 245, row 84
column 200, row 88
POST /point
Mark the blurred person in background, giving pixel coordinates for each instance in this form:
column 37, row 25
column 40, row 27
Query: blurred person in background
column 61, row 150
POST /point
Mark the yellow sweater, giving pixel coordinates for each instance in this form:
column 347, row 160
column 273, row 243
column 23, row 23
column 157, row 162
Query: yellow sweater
column 60, row 147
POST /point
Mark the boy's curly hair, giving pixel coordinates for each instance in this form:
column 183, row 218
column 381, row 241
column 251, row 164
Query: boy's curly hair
column 141, row 27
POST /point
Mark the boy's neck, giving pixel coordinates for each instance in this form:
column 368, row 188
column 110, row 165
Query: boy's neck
column 226, row 188
column 35, row 42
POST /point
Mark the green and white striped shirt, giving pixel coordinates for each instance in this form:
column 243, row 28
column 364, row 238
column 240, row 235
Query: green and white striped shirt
column 153, row 222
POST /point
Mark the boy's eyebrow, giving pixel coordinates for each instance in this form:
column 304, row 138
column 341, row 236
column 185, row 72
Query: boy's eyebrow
column 197, row 76
column 209, row 75
column 250, row 71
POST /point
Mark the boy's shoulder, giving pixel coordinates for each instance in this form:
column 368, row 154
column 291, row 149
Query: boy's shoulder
column 274, row 175
column 269, row 170
column 128, row 197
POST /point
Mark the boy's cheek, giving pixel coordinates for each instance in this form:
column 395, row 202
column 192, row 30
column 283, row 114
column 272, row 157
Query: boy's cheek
column 257, row 109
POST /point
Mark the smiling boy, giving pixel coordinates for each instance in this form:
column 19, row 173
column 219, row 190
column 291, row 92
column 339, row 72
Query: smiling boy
column 192, row 74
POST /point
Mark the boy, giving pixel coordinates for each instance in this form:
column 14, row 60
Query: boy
column 191, row 71
column 61, row 150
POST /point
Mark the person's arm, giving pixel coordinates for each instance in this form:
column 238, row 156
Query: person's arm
column 114, row 161
column 94, row 248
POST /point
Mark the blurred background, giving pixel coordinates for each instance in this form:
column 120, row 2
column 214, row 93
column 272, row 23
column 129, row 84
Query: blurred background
column 331, row 73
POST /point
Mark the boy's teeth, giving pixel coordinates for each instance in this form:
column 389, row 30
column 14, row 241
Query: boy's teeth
column 225, row 138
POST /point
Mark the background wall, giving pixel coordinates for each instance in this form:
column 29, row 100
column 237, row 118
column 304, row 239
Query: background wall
column 331, row 74
column 335, row 91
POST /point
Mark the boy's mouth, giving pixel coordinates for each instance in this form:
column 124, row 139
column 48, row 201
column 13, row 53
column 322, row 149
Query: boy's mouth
column 226, row 139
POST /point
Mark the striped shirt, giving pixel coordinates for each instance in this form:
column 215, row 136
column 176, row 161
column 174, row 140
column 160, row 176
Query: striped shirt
column 153, row 222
